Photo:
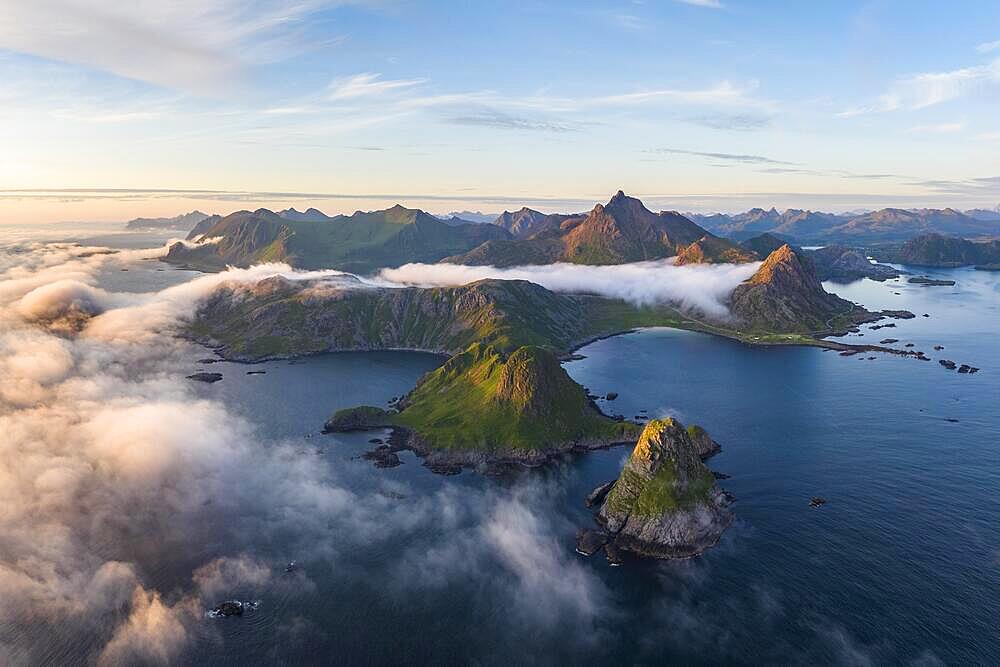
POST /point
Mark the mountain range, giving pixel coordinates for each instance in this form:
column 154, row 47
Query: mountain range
column 888, row 224
column 361, row 242
column 184, row 221
column 621, row 231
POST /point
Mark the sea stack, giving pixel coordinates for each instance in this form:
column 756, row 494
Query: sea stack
column 665, row 503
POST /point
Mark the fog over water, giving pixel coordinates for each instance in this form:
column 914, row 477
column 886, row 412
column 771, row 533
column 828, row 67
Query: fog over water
column 113, row 470
column 133, row 500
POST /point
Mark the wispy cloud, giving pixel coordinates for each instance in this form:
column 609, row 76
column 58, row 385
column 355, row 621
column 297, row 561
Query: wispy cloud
column 721, row 94
column 368, row 85
column 191, row 45
column 738, row 121
column 730, row 157
column 938, row 128
column 711, row 4
column 930, row 88
column 987, row 47
column 509, row 122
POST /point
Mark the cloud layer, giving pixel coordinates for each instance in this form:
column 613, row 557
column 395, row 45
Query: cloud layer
column 112, row 470
column 701, row 288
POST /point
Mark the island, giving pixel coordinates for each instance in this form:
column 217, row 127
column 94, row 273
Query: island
column 484, row 407
column 664, row 504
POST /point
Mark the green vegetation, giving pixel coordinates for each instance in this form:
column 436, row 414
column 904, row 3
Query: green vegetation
column 662, row 493
column 362, row 242
column 481, row 400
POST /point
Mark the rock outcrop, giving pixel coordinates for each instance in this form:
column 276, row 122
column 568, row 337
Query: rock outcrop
column 786, row 295
column 665, row 503
column 703, row 443
column 843, row 264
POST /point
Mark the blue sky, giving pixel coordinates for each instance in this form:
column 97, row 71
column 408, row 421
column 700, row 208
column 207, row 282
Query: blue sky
column 113, row 109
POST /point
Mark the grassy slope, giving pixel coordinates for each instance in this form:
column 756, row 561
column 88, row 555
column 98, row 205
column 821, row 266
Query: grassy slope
column 463, row 405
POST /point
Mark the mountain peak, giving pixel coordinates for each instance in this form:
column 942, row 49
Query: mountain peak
column 786, row 295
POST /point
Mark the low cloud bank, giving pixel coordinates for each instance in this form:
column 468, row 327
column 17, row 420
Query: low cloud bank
column 700, row 288
column 112, row 470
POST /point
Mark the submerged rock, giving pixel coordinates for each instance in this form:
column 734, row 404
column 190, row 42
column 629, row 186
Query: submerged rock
column 231, row 608
column 947, row 363
column 383, row 456
column 205, row 377
column 665, row 503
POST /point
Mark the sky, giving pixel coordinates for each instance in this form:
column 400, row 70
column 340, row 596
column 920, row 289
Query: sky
column 113, row 110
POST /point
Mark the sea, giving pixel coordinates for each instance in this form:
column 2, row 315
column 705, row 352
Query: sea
column 901, row 565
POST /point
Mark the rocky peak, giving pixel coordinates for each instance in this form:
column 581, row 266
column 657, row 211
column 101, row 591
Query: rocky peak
column 665, row 442
column 786, row 295
column 665, row 503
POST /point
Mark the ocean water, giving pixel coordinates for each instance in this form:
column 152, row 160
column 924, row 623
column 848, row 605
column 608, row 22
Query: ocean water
column 901, row 566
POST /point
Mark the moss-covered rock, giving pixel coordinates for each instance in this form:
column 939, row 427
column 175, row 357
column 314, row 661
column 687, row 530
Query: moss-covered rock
column 665, row 503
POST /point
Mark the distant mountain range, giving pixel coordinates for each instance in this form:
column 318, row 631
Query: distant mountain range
column 888, row 224
column 944, row 251
column 184, row 221
column 360, row 242
column 469, row 216
column 621, row 231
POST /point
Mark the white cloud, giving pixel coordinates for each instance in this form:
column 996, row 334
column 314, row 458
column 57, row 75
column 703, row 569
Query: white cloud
column 712, row 4
column 939, row 128
column 193, row 45
column 987, row 47
column 368, row 85
column 702, row 288
column 930, row 88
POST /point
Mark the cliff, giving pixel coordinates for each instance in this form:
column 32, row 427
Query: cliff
column 786, row 295
column 665, row 503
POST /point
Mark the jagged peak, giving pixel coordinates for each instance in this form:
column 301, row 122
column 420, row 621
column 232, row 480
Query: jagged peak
column 783, row 259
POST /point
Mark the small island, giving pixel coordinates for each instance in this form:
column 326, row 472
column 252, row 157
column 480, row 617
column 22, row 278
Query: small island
column 665, row 503
column 485, row 407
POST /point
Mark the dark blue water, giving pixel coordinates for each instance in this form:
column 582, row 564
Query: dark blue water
column 901, row 566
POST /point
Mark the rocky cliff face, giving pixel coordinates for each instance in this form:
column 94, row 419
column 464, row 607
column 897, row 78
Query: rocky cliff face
column 621, row 231
column 527, row 222
column 665, row 503
column 786, row 295
column 277, row 317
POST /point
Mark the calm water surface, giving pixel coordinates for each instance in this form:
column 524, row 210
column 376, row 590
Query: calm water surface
column 902, row 566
